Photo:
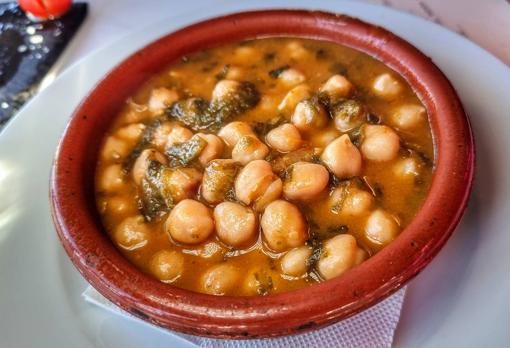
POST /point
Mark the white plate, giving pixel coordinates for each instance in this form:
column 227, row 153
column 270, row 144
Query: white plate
column 461, row 299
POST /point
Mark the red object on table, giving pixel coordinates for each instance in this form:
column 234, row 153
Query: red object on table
column 45, row 9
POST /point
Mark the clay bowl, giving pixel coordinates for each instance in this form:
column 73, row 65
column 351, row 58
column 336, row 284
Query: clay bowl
column 79, row 227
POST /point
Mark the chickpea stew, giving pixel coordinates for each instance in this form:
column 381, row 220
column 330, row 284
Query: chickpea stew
column 264, row 166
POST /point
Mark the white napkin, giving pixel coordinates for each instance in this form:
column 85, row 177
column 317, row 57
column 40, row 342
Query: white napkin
column 372, row 328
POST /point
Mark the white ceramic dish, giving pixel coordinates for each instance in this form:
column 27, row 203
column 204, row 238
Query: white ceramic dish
column 461, row 299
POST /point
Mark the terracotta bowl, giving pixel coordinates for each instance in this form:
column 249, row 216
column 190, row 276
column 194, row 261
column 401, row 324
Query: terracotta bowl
column 79, row 227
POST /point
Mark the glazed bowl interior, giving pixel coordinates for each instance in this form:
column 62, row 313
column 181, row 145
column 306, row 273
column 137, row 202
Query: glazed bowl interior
column 83, row 237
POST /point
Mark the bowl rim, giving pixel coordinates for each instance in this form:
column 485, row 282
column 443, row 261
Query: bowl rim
column 76, row 218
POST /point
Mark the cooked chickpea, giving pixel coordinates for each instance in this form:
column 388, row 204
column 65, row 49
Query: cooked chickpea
column 283, row 226
column 131, row 132
column 190, row 222
column 339, row 254
column 232, row 132
column 309, row 115
column 294, row 262
column 406, row 168
column 245, row 54
column 114, row 149
column 297, row 51
column 212, row 150
column 224, row 89
column 324, row 137
column 267, row 103
column 361, row 255
column 220, row 279
column 259, row 281
column 167, row 265
column 183, row 183
column 162, row 98
column 178, row 135
column 272, row 192
column 381, row 227
column 409, row 116
column 342, row 158
column 357, row 202
column 306, row 181
column 235, row 225
column 337, row 86
column 132, row 233
column 249, row 148
column 284, row 138
column 121, row 205
column 160, row 135
column 219, row 176
column 142, row 163
column 293, row 97
column 386, row 86
column 291, row 77
column 112, row 178
column 380, row 143
column 254, row 180
column 234, row 73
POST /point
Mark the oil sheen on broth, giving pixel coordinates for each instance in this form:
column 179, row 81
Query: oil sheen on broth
column 264, row 166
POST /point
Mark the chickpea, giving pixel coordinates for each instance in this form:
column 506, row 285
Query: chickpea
column 291, row 77
column 297, row 51
column 121, row 205
column 342, row 158
column 220, row 279
column 167, row 265
column 409, row 116
column 183, row 183
column 112, row 178
column 249, row 148
column 283, row 226
column 380, row 143
column 406, row 168
column 293, row 263
column 190, row 222
column 162, row 98
column 386, row 86
column 132, row 233
column 219, row 176
column 337, row 86
column 236, row 225
column 294, row 96
column 324, row 137
column 348, row 115
column 142, row 163
column 309, row 115
column 224, row 89
column 132, row 132
column 381, row 227
column 267, row 103
column 307, row 181
column 254, row 180
column 245, row 54
column 273, row 192
column 160, row 135
column 114, row 149
column 212, row 150
column 260, row 281
column 361, row 255
column 234, row 73
column 178, row 135
column 339, row 254
column 357, row 202
column 285, row 138
column 232, row 132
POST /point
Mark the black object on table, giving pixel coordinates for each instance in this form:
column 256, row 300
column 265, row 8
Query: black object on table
column 28, row 49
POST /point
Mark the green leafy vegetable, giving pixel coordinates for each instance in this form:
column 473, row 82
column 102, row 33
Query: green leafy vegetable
column 278, row 71
column 181, row 155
